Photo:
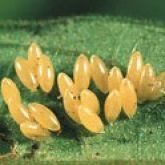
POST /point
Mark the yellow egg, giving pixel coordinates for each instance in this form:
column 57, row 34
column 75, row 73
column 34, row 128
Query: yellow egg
column 71, row 104
column 146, row 83
column 91, row 121
column 19, row 112
column 99, row 73
column 90, row 101
column 46, row 73
column 10, row 91
column 112, row 106
column 82, row 72
column 135, row 68
column 128, row 97
column 44, row 116
column 114, row 79
column 34, row 54
column 33, row 131
column 25, row 74
column 64, row 82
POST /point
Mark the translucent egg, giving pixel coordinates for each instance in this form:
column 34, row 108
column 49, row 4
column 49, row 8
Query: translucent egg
column 91, row 121
column 44, row 116
column 71, row 104
column 135, row 68
column 90, row 100
column 64, row 82
column 10, row 91
column 46, row 73
column 19, row 112
column 33, row 131
column 112, row 106
column 99, row 73
column 114, row 79
column 25, row 74
column 82, row 72
column 128, row 97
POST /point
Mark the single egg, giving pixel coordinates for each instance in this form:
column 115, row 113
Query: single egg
column 90, row 100
column 71, row 104
column 128, row 97
column 25, row 74
column 64, row 82
column 44, row 116
column 114, row 79
column 46, row 73
column 19, row 112
column 135, row 67
column 82, row 72
column 34, row 54
column 146, row 83
column 112, row 106
column 99, row 73
column 10, row 91
column 91, row 121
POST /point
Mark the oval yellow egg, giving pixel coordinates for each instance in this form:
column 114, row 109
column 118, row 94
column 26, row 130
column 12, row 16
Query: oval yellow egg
column 33, row 131
column 91, row 121
column 71, row 104
column 112, row 106
column 46, row 73
column 34, row 54
column 19, row 112
column 114, row 79
column 64, row 82
column 99, row 73
column 135, row 67
column 82, row 72
column 146, row 83
column 25, row 74
column 90, row 100
column 128, row 97
column 10, row 91
column 44, row 116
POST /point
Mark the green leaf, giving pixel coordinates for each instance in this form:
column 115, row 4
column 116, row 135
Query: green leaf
column 113, row 39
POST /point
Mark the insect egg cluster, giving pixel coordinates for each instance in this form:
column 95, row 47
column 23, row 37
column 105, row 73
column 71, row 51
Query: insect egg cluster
column 147, row 84
column 35, row 120
column 35, row 71
column 139, row 85
column 81, row 104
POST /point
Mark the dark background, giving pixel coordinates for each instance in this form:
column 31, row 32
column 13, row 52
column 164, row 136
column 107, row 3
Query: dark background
column 44, row 9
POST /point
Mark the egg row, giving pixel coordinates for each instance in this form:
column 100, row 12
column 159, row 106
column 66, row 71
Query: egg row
column 38, row 70
column 35, row 120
